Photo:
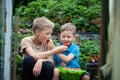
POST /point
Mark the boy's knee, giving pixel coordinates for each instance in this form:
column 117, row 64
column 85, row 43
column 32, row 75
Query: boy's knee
column 86, row 76
column 28, row 60
column 56, row 72
column 48, row 65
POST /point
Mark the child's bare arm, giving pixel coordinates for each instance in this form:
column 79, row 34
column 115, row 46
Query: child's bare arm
column 37, row 67
column 65, row 58
column 63, row 64
column 50, row 58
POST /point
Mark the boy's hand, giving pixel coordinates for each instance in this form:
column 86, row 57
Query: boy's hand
column 60, row 49
column 63, row 64
column 50, row 45
column 37, row 67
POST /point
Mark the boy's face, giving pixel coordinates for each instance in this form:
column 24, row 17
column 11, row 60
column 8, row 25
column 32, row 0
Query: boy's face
column 67, row 37
column 44, row 35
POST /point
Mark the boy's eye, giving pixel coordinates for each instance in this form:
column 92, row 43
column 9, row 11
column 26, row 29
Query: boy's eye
column 48, row 33
column 66, row 36
column 63, row 36
column 69, row 37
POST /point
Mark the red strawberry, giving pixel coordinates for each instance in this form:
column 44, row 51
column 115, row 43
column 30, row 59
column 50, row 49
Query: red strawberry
column 66, row 44
column 48, row 41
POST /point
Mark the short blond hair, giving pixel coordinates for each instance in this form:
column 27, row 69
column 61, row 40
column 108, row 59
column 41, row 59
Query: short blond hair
column 68, row 27
column 41, row 23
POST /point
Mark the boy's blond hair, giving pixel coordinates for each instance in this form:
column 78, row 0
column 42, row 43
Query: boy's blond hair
column 68, row 27
column 41, row 23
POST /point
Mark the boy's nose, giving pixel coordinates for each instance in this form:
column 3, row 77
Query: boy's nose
column 49, row 36
column 65, row 38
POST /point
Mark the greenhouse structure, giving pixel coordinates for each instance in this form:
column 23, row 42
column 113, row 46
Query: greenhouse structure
column 110, row 41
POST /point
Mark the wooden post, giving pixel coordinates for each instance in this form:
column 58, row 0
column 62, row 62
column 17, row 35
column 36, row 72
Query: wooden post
column 15, row 47
column 104, row 34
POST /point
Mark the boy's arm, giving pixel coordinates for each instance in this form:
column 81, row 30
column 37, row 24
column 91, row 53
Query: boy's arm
column 50, row 58
column 74, row 51
column 38, row 66
column 45, row 54
column 27, row 48
column 63, row 64
column 50, row 47
column 65, row 58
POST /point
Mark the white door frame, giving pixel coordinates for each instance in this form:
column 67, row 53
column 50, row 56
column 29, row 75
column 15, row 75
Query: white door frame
column 8, row 33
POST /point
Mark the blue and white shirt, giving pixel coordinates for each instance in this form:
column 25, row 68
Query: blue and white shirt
column 72, row 49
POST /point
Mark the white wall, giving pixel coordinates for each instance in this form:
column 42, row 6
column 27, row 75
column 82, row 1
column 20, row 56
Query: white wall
column 116, row 41
column 7, row 46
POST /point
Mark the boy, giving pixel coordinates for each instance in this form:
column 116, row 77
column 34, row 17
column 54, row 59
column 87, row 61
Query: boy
column 37, row 51
column 69, row 58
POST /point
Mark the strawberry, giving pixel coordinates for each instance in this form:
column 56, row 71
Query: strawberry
column 48, row 41
column 66, row 44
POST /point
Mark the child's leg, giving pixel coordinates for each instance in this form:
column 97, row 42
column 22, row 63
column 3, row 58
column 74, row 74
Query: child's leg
column 56, row 74
column 46, row 71
column 28, row 64
column 86, row 76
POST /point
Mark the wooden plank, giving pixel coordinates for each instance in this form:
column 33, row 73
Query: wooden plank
column 15, row 47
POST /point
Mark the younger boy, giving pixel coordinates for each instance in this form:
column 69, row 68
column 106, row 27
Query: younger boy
column 69, row 58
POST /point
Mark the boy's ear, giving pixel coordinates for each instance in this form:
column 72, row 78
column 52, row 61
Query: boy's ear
column 74, row 36
column 37, row 31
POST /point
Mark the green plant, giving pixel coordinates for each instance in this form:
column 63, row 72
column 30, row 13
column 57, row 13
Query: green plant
column 80, row 13
column 83, row 59
column 88, row 48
